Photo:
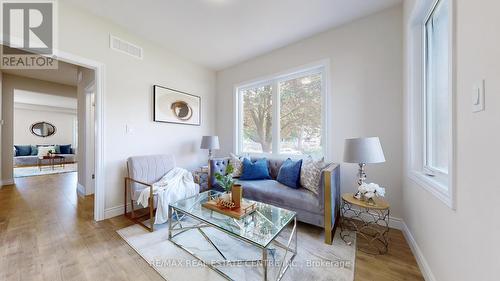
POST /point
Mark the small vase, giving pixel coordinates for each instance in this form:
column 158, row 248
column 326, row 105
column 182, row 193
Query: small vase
column 237, row 194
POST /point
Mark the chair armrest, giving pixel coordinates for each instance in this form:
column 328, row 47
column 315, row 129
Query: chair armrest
column 329, row 193
column 128, row 180
column 139, row 182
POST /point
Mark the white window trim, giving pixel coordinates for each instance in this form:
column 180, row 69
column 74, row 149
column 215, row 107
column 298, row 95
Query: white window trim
column 322, row 66
column 444, row 190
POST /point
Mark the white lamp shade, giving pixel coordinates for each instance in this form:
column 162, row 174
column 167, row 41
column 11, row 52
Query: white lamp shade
column 363, row 150
column 210, row 142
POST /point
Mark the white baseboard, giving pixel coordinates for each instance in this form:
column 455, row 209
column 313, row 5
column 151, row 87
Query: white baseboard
column 396, row 223
column 115, row 211
column 419, row 256
column 80, row 190
column 6, row 182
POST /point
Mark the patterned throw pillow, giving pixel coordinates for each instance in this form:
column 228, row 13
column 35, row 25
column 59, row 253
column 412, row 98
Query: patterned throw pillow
column 237, row 163
column 310, row 174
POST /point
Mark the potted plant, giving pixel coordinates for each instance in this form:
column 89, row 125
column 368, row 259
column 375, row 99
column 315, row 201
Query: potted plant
column 226, row 180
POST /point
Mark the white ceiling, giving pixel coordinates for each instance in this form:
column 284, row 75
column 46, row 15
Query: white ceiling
column 64, row 74
column 221, row 33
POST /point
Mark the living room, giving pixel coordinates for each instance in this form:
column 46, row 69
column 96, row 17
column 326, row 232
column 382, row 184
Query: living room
column 174, row 79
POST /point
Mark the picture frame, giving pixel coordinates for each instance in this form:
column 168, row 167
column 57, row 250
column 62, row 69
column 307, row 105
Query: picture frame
column 176, row 107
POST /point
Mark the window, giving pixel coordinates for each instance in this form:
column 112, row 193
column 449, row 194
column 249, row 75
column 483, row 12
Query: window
column 430, row 100
column 436, row 105
column 283, row 115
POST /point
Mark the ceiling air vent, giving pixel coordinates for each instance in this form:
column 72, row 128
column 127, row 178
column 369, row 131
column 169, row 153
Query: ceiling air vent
column 123, row 46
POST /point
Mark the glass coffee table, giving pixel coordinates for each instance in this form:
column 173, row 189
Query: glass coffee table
column 259, row 230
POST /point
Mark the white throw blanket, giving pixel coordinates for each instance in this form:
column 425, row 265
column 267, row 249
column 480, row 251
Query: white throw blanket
column 177, row 184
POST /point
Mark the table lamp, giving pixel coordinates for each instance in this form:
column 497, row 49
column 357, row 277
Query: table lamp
column 363, row 151
column 209, row 142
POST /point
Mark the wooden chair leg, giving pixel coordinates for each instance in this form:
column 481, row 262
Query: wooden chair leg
column 151, row 213
column 125, row 200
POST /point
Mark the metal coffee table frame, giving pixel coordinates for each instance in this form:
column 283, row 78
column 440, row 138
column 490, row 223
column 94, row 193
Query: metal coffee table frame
column 178, row 228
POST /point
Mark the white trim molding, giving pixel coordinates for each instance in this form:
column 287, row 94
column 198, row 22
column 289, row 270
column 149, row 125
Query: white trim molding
column 99, row 70
column 419, row 256
column 6, row 182
column 115, row 211
column 322, row 67
column 396, row 223
column 80, row 190
column 443, row 190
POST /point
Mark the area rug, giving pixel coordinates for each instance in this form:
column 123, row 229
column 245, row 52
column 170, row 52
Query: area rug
column 315, row 259
column 21, row 172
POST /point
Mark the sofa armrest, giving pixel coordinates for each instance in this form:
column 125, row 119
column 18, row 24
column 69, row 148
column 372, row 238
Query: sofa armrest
column 216, row 166
column 329, row 194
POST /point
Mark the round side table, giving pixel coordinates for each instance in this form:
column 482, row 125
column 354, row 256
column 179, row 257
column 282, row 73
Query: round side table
column 369, row 222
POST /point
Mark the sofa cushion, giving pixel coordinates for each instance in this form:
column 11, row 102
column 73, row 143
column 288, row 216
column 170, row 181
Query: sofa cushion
column 23, row 150
column 257, row 170
column 275, row 193
column 65, row 149
column 34, row 150
column 310, row 174
column 289, row 173
column 44, row 150
column 274, row 166
column 237, row 163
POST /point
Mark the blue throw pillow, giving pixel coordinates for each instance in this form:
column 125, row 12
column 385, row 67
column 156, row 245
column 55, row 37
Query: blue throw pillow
column 23, row 150
column 289, row 173
column 257, row 170
column 65, row 149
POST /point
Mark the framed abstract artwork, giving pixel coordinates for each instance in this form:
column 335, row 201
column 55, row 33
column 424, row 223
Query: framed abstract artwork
column 172, row 106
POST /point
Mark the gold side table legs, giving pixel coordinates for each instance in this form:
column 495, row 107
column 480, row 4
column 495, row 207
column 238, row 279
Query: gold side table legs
column 371, row 227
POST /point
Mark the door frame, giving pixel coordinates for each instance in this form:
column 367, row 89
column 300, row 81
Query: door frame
column 99, row 157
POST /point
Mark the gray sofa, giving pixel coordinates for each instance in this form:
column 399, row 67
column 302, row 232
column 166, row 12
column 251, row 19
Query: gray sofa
column 32, row 160
column 321, row 210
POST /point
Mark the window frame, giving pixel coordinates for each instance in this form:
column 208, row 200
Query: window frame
column 439, row 175
column 321, row 68
column 439, row 184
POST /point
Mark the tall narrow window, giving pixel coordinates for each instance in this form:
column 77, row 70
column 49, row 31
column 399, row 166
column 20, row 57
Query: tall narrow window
column 437, row 91
column 284, row 114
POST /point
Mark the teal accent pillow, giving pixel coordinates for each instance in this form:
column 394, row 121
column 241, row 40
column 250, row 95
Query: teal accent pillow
column 23, row 150
column 257, row 170
column 34, row 150
column 57, row 149
column 289, row 173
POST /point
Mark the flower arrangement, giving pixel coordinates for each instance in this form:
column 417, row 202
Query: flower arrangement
column 226, row 180
column 368, row 191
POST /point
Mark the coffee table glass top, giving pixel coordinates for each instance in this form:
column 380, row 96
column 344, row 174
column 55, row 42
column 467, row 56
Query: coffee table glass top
column 259, row 228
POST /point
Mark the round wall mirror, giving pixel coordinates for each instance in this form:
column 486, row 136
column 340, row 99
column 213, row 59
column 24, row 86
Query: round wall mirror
column 43, row 129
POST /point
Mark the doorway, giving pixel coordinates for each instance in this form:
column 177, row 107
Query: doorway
column 90, row 174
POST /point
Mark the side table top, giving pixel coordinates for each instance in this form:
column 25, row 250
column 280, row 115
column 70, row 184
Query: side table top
column 380, row 204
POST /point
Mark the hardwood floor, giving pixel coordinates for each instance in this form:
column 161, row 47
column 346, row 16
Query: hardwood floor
column 47, row 233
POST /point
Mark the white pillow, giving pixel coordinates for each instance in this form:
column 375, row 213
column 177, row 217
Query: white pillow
column 310, row 174
column 44, row 150
column 237, row 164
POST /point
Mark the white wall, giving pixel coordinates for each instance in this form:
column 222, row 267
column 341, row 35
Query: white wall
column 128, row 96
column 462, row 244
column 366, row 91
column 24, row 118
